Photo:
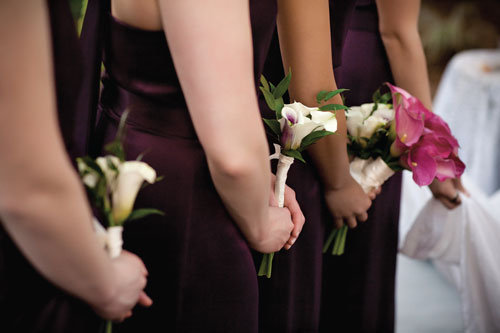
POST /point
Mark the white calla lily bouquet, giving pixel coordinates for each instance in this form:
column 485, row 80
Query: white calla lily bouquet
column 113, row 184
column 295, row 127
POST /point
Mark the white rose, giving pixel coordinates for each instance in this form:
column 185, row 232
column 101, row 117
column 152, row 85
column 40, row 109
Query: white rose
column 366, row 109
column 370, row 125
column 354, row 121
column 109, row 172
column 384, row 111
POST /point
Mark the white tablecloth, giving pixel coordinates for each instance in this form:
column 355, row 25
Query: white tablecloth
column 468, row 98
column 464, row 244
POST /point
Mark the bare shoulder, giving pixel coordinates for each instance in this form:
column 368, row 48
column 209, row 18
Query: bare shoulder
column 143, row 14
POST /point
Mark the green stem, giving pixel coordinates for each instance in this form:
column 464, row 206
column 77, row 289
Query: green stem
column 266, row 265
column 109, row 326
column 330, row 239
column 338, row 248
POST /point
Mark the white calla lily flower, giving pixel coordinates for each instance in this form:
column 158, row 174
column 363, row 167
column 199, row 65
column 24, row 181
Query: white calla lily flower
column 299, row 107
column 131, row 175
column 325, row 118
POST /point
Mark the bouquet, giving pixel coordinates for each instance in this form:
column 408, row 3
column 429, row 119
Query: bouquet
column 295, row 127
column 385, row 138
column 113, row 184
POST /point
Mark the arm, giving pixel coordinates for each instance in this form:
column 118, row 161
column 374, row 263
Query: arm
column 398, row 25
column 211, row 45
column 42, row 204
column 304, row 33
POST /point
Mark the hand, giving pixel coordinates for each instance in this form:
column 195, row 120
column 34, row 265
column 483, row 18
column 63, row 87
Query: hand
column 277, row 233
column 291, row 203
column 448, row 192
column 348, row 204
column 130, row 276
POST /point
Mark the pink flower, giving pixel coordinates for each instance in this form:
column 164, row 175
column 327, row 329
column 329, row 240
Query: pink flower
column 433, row 156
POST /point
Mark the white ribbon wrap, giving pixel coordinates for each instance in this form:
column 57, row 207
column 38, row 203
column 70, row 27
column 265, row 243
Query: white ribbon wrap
column 284, row 163
column 111, row 239
column 370, row 173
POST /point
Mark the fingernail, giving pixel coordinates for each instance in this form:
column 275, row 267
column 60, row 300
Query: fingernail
column 293, row 240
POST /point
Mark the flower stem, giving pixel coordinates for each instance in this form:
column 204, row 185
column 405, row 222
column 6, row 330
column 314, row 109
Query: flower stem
column 109, row 326
column 266, row 265
column 329, row 240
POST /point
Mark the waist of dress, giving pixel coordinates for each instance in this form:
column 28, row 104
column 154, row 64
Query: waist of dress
column 151, row 114
column 365, row 18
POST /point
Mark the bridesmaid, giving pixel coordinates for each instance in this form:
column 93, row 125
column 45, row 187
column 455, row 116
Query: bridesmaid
column 184, row 69
column 290, row 300
column 50, row 260
column 382, row 44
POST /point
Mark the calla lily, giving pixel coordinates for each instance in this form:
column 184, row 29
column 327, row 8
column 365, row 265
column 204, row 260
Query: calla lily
column 325, row 118
column 131, row 175
column 433, row 157
column 292, row 134
column 299, row 107
column 409, row 125
column 89, row 176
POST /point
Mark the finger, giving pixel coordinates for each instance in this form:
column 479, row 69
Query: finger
column 339, row 222
column 372, row 195
column 144, row 300
column 447, row 203
column 128, row 315
column 292, row 204
column 362, row 217
column 351, row 222
column 460, row 186
column 378, row 190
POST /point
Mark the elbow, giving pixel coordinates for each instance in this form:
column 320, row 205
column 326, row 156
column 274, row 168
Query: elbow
column 400, row 38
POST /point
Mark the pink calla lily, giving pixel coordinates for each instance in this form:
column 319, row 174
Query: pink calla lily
column 409, row 125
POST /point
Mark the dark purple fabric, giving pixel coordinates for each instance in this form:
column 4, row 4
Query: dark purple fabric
column 28, row 302
column 358, row 287
column 201, row 272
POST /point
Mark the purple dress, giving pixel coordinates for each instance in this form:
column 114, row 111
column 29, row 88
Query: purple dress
column 28, row 302
column 201, row 271
column 358, row 287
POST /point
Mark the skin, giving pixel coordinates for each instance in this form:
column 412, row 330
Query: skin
column 43, row 206
column 243, row 181
column 306, row 48
column 398, row 26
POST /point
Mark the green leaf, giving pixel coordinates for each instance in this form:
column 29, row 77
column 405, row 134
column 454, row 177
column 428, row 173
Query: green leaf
column 274, row 125
column 376, row 96
column 312, row 138
column 333, row 93
column 143, row 212
column 385, row 98
column 269, row 98
column 295, row 154
column 159, row 179
column 333, row 107
column 279, row 104
column 273, row 87
column 264, row 83
column 321, row 95
column 282, row 87
column 116, row 148
column 120, row 133
column 91, row 164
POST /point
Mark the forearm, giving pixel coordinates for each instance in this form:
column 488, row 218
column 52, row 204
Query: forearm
column 51, row 224
column 42, row 205
column 213, row 60
column 398, row 25
column 408, row 64
column 306, row 49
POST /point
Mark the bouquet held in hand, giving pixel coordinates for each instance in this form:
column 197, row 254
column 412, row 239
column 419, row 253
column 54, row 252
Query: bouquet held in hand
column 385, row 138
column 295, row 127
